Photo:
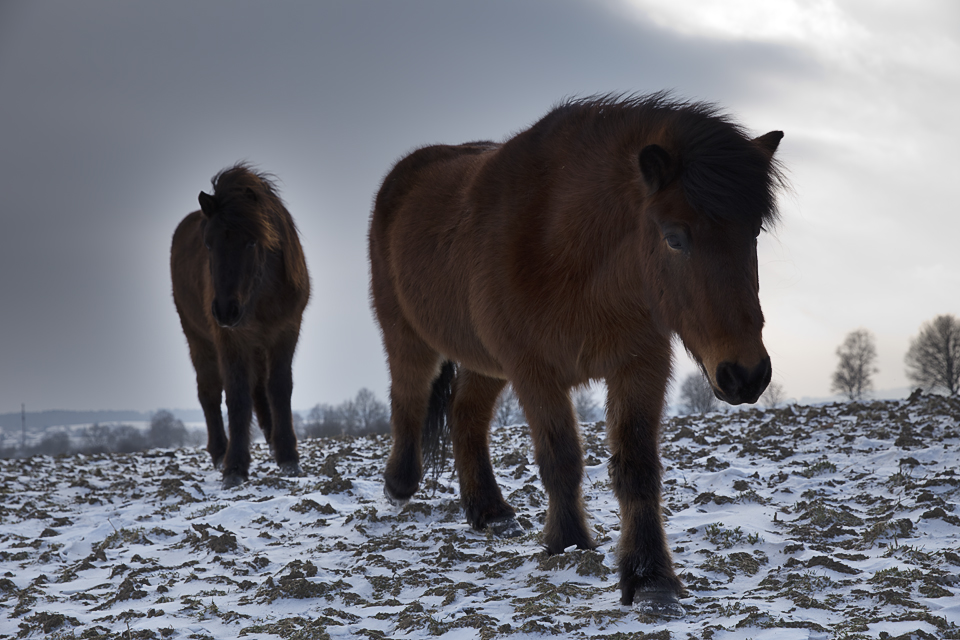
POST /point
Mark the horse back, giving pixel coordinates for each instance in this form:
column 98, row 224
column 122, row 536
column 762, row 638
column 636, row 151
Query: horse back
column 412, row 170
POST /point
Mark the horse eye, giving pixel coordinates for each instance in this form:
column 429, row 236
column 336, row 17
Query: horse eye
column 251, row 244
column 674, row 241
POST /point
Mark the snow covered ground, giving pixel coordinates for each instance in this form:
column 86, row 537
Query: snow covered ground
column 807, row 522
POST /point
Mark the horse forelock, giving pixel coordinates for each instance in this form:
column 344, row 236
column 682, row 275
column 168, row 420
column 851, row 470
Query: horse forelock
column 249, row 201
column 723, row 174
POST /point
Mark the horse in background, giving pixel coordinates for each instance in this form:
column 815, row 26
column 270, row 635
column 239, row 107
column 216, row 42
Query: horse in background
column 572, row 252
column 240, row 285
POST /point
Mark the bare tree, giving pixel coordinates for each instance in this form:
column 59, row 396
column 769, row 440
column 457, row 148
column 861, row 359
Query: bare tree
column 853, row 377
column 128, row 439
column 933, row 359
column 371, row 415
column 166, row 430
column 5, row 451
column 99, row 438
column 349, row 415
column 696, row 395
column 323, row 421
column 298, row 424
column 585, row 403
column 507, row 410
column 774, row 395
column 52, row 444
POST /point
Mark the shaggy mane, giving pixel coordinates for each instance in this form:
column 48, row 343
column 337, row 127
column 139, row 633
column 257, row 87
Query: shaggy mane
column 723, row 174
column 251, row 202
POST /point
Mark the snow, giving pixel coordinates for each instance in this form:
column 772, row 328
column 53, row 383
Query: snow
column 834, row 521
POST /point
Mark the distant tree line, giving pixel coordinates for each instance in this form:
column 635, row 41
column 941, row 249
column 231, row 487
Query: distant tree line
column 165, row 431
column 363, row 415
column 508, row 411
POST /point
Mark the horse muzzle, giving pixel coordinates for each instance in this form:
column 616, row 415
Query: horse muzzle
column 736, row 384
column 227, row 314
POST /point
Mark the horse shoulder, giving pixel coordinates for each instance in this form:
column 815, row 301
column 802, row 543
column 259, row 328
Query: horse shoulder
column 187, row 256
column 190, row 276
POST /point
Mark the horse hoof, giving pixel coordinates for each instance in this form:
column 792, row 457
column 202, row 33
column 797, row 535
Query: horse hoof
column 291, row 469
column 232, row 480
column 506, row 528
column 397, row 502
column 662, row 604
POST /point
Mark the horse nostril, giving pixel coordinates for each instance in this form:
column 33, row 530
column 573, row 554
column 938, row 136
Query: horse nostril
column 739, row 384
column 226, row 315
column 730, row 377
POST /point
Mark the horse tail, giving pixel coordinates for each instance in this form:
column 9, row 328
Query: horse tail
column 436, row 428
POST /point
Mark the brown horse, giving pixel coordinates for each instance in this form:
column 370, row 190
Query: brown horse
column 573, row 251
column 240, row 285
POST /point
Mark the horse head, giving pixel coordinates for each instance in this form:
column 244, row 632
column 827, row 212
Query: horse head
column 703, row 218
column 236, row 255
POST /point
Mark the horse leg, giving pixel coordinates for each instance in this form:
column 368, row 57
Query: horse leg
column 261, row 406
column 209, row 391
column 282, row 439
column 236, row 462
column 634, row 406
column 474, row 398
column 559, row 455
column 413, row 368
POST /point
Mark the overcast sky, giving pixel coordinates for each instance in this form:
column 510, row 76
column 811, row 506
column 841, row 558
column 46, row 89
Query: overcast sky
column 114, row 115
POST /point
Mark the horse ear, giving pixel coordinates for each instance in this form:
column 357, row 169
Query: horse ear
column 655, row 166
column 208, row 205
column 252, row 195
column 769, row 141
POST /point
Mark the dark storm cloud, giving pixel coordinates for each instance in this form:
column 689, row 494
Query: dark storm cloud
column 114, row 116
